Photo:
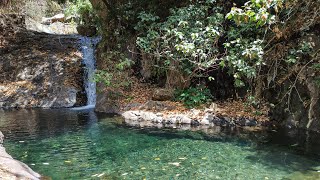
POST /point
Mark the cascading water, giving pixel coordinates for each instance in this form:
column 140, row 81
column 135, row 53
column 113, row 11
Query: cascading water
column 88, row 45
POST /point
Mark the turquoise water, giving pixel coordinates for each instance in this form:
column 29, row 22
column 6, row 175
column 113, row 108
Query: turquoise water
column 82, row 145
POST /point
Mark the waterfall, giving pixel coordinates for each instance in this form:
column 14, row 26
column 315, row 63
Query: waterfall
column 88, row 45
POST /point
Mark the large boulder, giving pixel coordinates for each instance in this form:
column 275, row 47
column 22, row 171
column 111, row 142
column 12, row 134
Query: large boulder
column 162, row 94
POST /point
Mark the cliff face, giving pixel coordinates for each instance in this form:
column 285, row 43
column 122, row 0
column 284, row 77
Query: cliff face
column 296, row 93
column 37, row 69
column 294, row 87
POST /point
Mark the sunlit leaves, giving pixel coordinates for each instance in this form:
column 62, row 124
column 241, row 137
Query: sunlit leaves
column 189, row 35
column 255, row 11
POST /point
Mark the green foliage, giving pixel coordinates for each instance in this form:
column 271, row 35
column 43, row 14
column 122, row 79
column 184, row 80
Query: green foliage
column 316, row 66
column 243, row 58
column 126, row 63
column 189, row 36
column 245, row 40
column 256, row 12
column 114, row 76
column 83, row 11
column 103, row 77
column 193, row 96
column 297, row 54
column 252, row 101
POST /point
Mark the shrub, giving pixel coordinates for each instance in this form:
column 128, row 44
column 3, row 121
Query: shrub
column 193, row 96
column 83, row 11
column 188, row 38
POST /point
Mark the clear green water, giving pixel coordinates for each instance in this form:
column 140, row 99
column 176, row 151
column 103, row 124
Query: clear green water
column 81, row 145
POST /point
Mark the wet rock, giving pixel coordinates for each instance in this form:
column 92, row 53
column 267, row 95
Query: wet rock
column 220, row 121
column 251, row 122
column 195, row 122
column 87, row 30
column 246, row 122
column 241, row 121
column 162, row 95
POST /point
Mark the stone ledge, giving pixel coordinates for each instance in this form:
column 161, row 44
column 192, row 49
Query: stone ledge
column 147, row 118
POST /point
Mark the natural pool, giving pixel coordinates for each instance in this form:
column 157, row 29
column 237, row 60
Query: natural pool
column 67, row 144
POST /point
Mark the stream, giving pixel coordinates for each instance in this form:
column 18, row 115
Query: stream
column 69, row 144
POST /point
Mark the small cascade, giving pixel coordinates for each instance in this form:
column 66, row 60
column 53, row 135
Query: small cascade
column 88, row 45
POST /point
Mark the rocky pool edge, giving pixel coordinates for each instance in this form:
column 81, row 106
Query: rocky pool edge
column 14, row 169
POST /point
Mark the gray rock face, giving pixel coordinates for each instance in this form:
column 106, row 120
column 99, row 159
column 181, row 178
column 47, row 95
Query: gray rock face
column 143, row 116
column 13, row 169
column 146, row 118
column 106, row 104
column 37, row 69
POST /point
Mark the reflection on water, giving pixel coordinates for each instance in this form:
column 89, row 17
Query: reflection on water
column 32, row 124
column 67, row 144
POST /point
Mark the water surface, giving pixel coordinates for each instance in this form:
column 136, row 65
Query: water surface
column 66, row 144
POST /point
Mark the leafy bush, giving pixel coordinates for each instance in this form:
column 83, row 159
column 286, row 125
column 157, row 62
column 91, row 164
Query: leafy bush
column 83, row 11
column 188, row 38
column 103, row 77
column 245, row 43
column 193, row 96
column 295, row 54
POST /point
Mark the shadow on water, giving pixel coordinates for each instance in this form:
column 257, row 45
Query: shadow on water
column 96, row 141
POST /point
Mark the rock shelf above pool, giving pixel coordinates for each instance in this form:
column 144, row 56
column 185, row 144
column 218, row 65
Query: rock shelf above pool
column 13, row 169
column 39, row 69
